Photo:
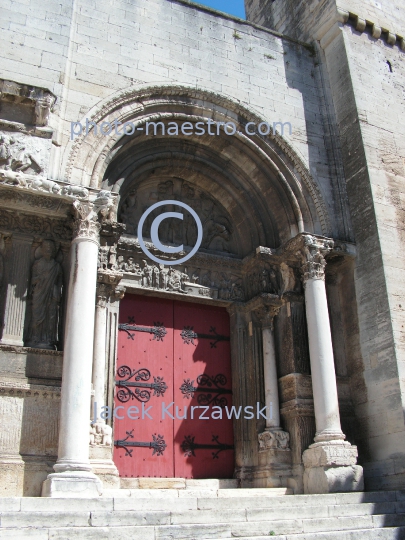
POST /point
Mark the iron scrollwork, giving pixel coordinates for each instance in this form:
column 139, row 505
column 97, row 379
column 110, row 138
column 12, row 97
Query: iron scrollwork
column 158, row 444
column 189, row 446
column 142, row 392
column 211, row 390
column 158, row 330
column 189, row 335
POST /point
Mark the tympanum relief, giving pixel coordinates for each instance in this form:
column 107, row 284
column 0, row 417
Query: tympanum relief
column 218, row 235
column 45, row 296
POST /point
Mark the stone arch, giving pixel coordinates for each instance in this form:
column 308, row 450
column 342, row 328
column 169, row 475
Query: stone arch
column 261, row 182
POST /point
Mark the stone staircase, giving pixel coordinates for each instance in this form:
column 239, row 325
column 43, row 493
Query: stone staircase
column 174, row 514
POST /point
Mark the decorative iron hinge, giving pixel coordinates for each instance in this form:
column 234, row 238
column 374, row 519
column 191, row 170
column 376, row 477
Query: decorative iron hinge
column 211, row 386
column 189, row 446
column 141, row 393
column 158, row 330
column 189, row 336
column 158, row 444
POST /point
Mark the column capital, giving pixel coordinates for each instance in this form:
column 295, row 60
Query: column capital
column 86, row 223
column 103, row 292
column 266, row 315
column 312, row 254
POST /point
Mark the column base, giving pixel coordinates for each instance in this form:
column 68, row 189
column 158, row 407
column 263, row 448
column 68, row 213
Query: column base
column 103, row 466
column 71, row 484
column 330, row 467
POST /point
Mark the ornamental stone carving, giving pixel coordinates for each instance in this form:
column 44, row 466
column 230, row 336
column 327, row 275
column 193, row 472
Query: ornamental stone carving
column 312, row 256
column 217, row 230
column 274, row 440
column 46, row 293
column 100, row 434
column 86, row 223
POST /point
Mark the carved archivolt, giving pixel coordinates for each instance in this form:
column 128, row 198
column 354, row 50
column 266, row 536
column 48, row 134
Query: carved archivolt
column 144, row 105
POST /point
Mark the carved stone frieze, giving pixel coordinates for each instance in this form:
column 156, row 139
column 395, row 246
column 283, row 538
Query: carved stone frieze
column 36, row 101
column 35, row 225
column 273, row 440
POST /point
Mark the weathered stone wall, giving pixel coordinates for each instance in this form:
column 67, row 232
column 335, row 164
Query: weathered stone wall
column 364, row 73
column 90, row 54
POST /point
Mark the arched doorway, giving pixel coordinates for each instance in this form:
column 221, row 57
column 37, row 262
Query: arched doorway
column 253, row 196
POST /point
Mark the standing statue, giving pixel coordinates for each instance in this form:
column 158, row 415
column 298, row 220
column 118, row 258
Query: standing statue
column 46, row 292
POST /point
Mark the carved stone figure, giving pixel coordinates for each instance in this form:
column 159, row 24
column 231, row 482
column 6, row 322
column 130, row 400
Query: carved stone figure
column 5, row 152
column 100, row 434
column 75, row 191
column 21, row 161
column 42, row 110
column 46, row 292
column 147, row 273
column 2, row 248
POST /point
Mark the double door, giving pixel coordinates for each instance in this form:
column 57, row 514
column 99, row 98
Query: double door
column 173, row 397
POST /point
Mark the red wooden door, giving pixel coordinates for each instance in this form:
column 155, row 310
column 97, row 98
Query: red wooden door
column 202, row 378
column 173, row 355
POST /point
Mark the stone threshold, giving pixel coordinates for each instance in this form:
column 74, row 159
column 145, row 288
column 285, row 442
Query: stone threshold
column 177, row 483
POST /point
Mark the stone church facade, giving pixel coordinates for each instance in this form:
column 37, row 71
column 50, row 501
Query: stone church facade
column 303, row 230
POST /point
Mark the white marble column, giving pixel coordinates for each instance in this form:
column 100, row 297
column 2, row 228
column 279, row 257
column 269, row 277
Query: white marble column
column 273, row 437
column 330, row 463
column 324, row 387
column 73, row 476
column 99, row 353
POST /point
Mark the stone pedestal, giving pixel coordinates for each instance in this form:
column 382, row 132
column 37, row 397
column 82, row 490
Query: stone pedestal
column 331, row 468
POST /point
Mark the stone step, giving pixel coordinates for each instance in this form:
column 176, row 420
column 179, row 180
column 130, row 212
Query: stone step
column 296, row 530
column 392, row 533
column 311, row 519
column 197, row 491
column 177, row 483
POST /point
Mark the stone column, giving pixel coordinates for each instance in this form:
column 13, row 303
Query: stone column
column 17, row 289
column 73, row 476
column 101, row 433
column 273, row 436
column 330, row 463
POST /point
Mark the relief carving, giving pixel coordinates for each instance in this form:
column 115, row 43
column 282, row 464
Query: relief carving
column 312, row 257
column 184, row 280
column 100, row 434
column 86, row 223
column 35, row 225
column 274, row 440
column 46, row 293
column 217, row 231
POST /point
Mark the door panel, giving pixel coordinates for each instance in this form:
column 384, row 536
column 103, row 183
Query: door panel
column 202, row 377
column 140, row 350
column 179, row 353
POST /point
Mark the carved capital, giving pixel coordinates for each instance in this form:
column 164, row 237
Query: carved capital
column 266, row 315
column 86, row 224
column 312, row 255
column 276, row 439
column 102, row 294
column 119, row 292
